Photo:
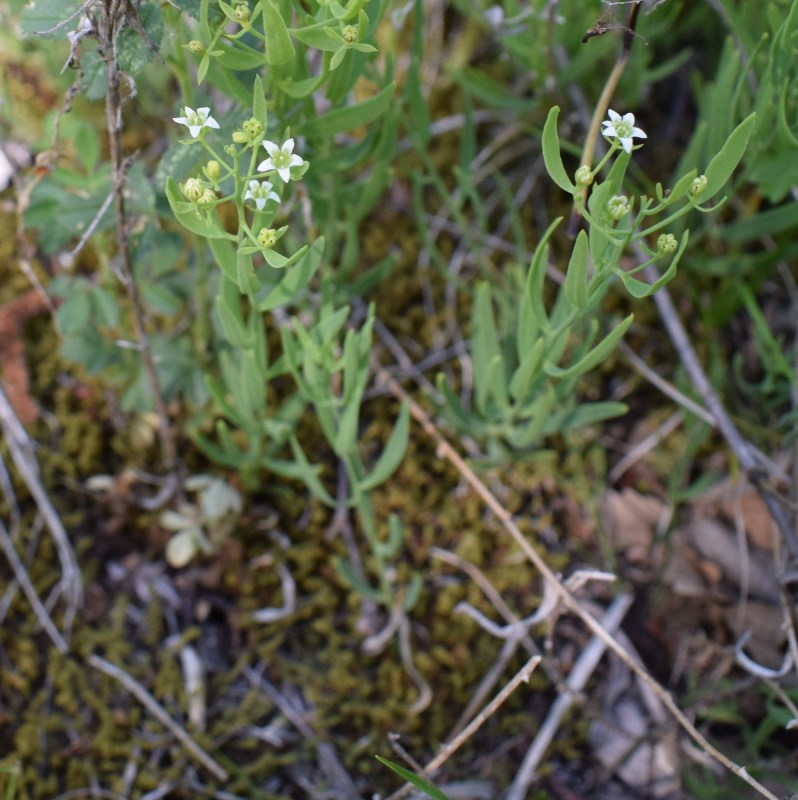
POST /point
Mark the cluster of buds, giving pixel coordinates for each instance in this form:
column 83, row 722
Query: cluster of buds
column 250, row 133
column 667, row 244
column 618, row 207
column 200, row 192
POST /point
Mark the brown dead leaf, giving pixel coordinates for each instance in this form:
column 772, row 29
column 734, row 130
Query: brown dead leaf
column 630, row 520
column 764, row 621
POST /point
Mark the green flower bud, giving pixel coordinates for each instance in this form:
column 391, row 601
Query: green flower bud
column 208, row 197
column 617, row 206
column 230, row 149
column 584, row 176
column 213, row 169
column 252, row 128
column 242, row 13
column 350, row 33
column 267, row 237
column 239, row 137
column 192, row 189
column 667, row 244
column 698, row 185
column 195, row 47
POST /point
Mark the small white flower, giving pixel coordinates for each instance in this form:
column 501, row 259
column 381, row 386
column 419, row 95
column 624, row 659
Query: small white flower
column 197, row 120
column 622, row 128
column 280, row 159
column 260, row 192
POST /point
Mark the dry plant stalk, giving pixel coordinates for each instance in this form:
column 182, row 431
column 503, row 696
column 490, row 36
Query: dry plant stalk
column 446, row 451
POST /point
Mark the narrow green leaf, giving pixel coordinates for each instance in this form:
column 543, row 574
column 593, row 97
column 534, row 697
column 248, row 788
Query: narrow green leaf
column 344, row 119
column 225, row 256
column 392, row 455
column 259, row 102
column 295, row 280
column 524, row 377
column 551, row 152
column 232, row 324
column 279, row 47
column 576, row 276
column 485, row 347
column 592, row 359
column 725, row 162
column 425, row 786
column 356, row 581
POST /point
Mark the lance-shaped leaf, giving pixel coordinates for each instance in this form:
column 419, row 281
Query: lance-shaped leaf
column 551, row 152
column 593, row 358
column 725, row 162
column 576, row 276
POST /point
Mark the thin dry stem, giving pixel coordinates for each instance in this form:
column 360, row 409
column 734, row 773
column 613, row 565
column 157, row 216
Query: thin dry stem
column 445, row 450
column 112, row 19
column 160, row 713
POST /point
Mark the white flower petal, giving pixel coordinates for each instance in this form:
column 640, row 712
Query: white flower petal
column 285, row 174
column 639, row 134
column 195, row 130
column 211, row 122
column 614, row 115
column 288, row 146
column 266, row 165
column 271, row 147
column 296, row 161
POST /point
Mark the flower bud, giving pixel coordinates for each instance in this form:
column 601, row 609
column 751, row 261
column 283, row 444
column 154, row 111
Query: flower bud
column 252, row 128
column 667, row 244
column 698, row 185
column 267, row 237
column 239, row 137
column 617, row 206
column 230, row 149
column 208, row 196
column 350, row 33
column 583, row 176
column 213, row 169
column 192, row 189
column 242, row 13
column 195, row 47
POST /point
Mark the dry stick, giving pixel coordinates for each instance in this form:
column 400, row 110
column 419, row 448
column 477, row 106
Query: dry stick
column 740, row 447
column 22, row 453
column 445, row 450
column 112, row 21
column 30, row 592
column 582, row 670
column 450, row 748
column 158, row 711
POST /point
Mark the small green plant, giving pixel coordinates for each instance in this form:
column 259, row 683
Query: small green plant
column 527, row 366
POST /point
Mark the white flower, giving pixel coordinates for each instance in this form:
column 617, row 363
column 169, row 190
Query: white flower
column 622, row 128
column 280, row 159
column 197, row 120
column 260, row 192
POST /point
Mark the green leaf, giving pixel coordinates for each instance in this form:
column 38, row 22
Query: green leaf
column 532, row 314
column 593, row 358
column 232, row 324
column 356, row 581
column 392, row 455
column 41, row 15
column 209, row 227
column 590, row 413
column 338, row 57
column 551, row 152
column 489, row 376
column 725, row 162
column 133, row 51
column 259, row 111
column 410, row 777
column 524, row 377
column 576, row 276
column 279, row 47
column 341, row 120
column 225, row 256
column 295, row 280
